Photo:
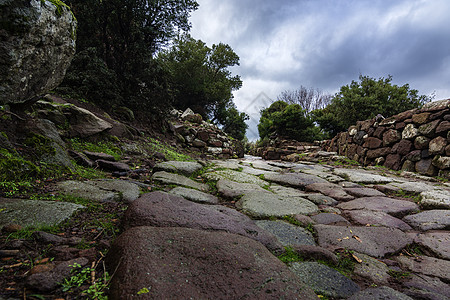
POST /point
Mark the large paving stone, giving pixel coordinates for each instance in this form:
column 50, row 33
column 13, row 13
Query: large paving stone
column 169, row 178
column 255, row 172
column 426, row 265
column 380, row 293
column 325, row 173
column 83, row 189
column 34, row 212
column 425, row 287
column 394, row 207
column 412, row 186
column 294, row 179
column 373, row 241
column 232, row 189
column 183, row 263
column 372, row 269
column 331, row 190
column 324, row 280
column 437, row 242
column 265, row 205
column 436, row 199
column 429, row 220
column 184, row 167
column 320, row 199
column 377, row 218
column 262, row 165
column 194, row 195
column 126, row 190
column 364, row 192
column 165, row 210
column 330, row 219
column 227, row 164
column 235, row 176
column 287, row 234
column 287, row 191
column 361, row 176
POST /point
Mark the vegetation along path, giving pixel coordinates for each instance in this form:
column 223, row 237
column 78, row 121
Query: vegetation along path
column 232, row 229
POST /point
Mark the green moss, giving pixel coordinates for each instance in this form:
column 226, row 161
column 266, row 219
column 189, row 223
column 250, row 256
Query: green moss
column 102, row 147
column 14, row 168
column 289, row 256
column 59, row 6
column 41, row 145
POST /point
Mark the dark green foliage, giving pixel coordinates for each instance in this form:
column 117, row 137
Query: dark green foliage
column 364, row 99
column 233, row 122
column 288, row 121
column 116, row 41
column 200, row 76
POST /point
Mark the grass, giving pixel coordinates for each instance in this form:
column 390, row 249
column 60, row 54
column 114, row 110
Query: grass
column 290, row 256
column 412, row 196
column 170, row 152
column 107, row 147
column 399, row 274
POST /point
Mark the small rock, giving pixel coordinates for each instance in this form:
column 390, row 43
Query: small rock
column 372, row 269
column 316, row 253
column 99, row 155
column 194, row 195
column 112, row 165
column 435, row 199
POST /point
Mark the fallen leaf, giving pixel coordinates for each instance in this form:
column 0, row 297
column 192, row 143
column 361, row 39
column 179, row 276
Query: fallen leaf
column 346, row 238
column 357, row 238
column 357, row 258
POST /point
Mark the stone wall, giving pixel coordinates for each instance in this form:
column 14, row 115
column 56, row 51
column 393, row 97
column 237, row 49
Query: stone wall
column 283, row 149
column 204, row 137
column 416, row 140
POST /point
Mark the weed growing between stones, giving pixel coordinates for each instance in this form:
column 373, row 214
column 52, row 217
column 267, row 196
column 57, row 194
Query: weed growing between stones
column 415, row 197
column 346, row 263
column 292, row 220
column 86, row 277
column 289, row 256
column 399, row 274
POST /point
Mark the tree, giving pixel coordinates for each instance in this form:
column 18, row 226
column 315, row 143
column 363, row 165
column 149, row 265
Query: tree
column 288, row 121
column 308, row 98
column 200, row 76
column 125, row 35
column 233, row 122
column 364, row 99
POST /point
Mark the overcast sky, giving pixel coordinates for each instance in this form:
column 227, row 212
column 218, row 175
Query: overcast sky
column 326, row 44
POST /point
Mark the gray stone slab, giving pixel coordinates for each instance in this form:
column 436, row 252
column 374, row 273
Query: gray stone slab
column 426, row 265
column 436, row 199
column 372, row 269
column 363, row 192
column 373, row 241
column 330, row 219
column 380, row 293
column 287, row 234
column 256, row 172
column 377, row 218
column 126, row 190
column 195, row 195
column 437, row 242
column 320, row 199
column 294, row 179
column 361, row 176
column 327, row 174
column 83, row 189
column 227, row 164
column 265, row 205
column 169, row 178
column 232, row 189
column 394, row 207
column 235, row 176
column 429, row 220
column 412, row 186
column 262, row 165
column 324, row 280
column 184, row 167
column 287, row 191
column 331, row 190
column 34, row 212
column 424, row 285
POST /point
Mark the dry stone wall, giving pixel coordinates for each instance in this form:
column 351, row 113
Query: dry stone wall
column 201, row 136
column 416, row 140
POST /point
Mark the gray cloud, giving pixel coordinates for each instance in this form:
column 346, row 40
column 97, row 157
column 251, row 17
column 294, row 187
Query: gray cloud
column 326, row 44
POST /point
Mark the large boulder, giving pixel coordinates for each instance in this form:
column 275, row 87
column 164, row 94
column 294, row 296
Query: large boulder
column 37, row 44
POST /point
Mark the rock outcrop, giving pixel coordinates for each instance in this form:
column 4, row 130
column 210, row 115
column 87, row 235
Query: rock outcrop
column 37, row 44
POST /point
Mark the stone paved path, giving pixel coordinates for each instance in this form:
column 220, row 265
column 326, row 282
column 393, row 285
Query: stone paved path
column 217, row 234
